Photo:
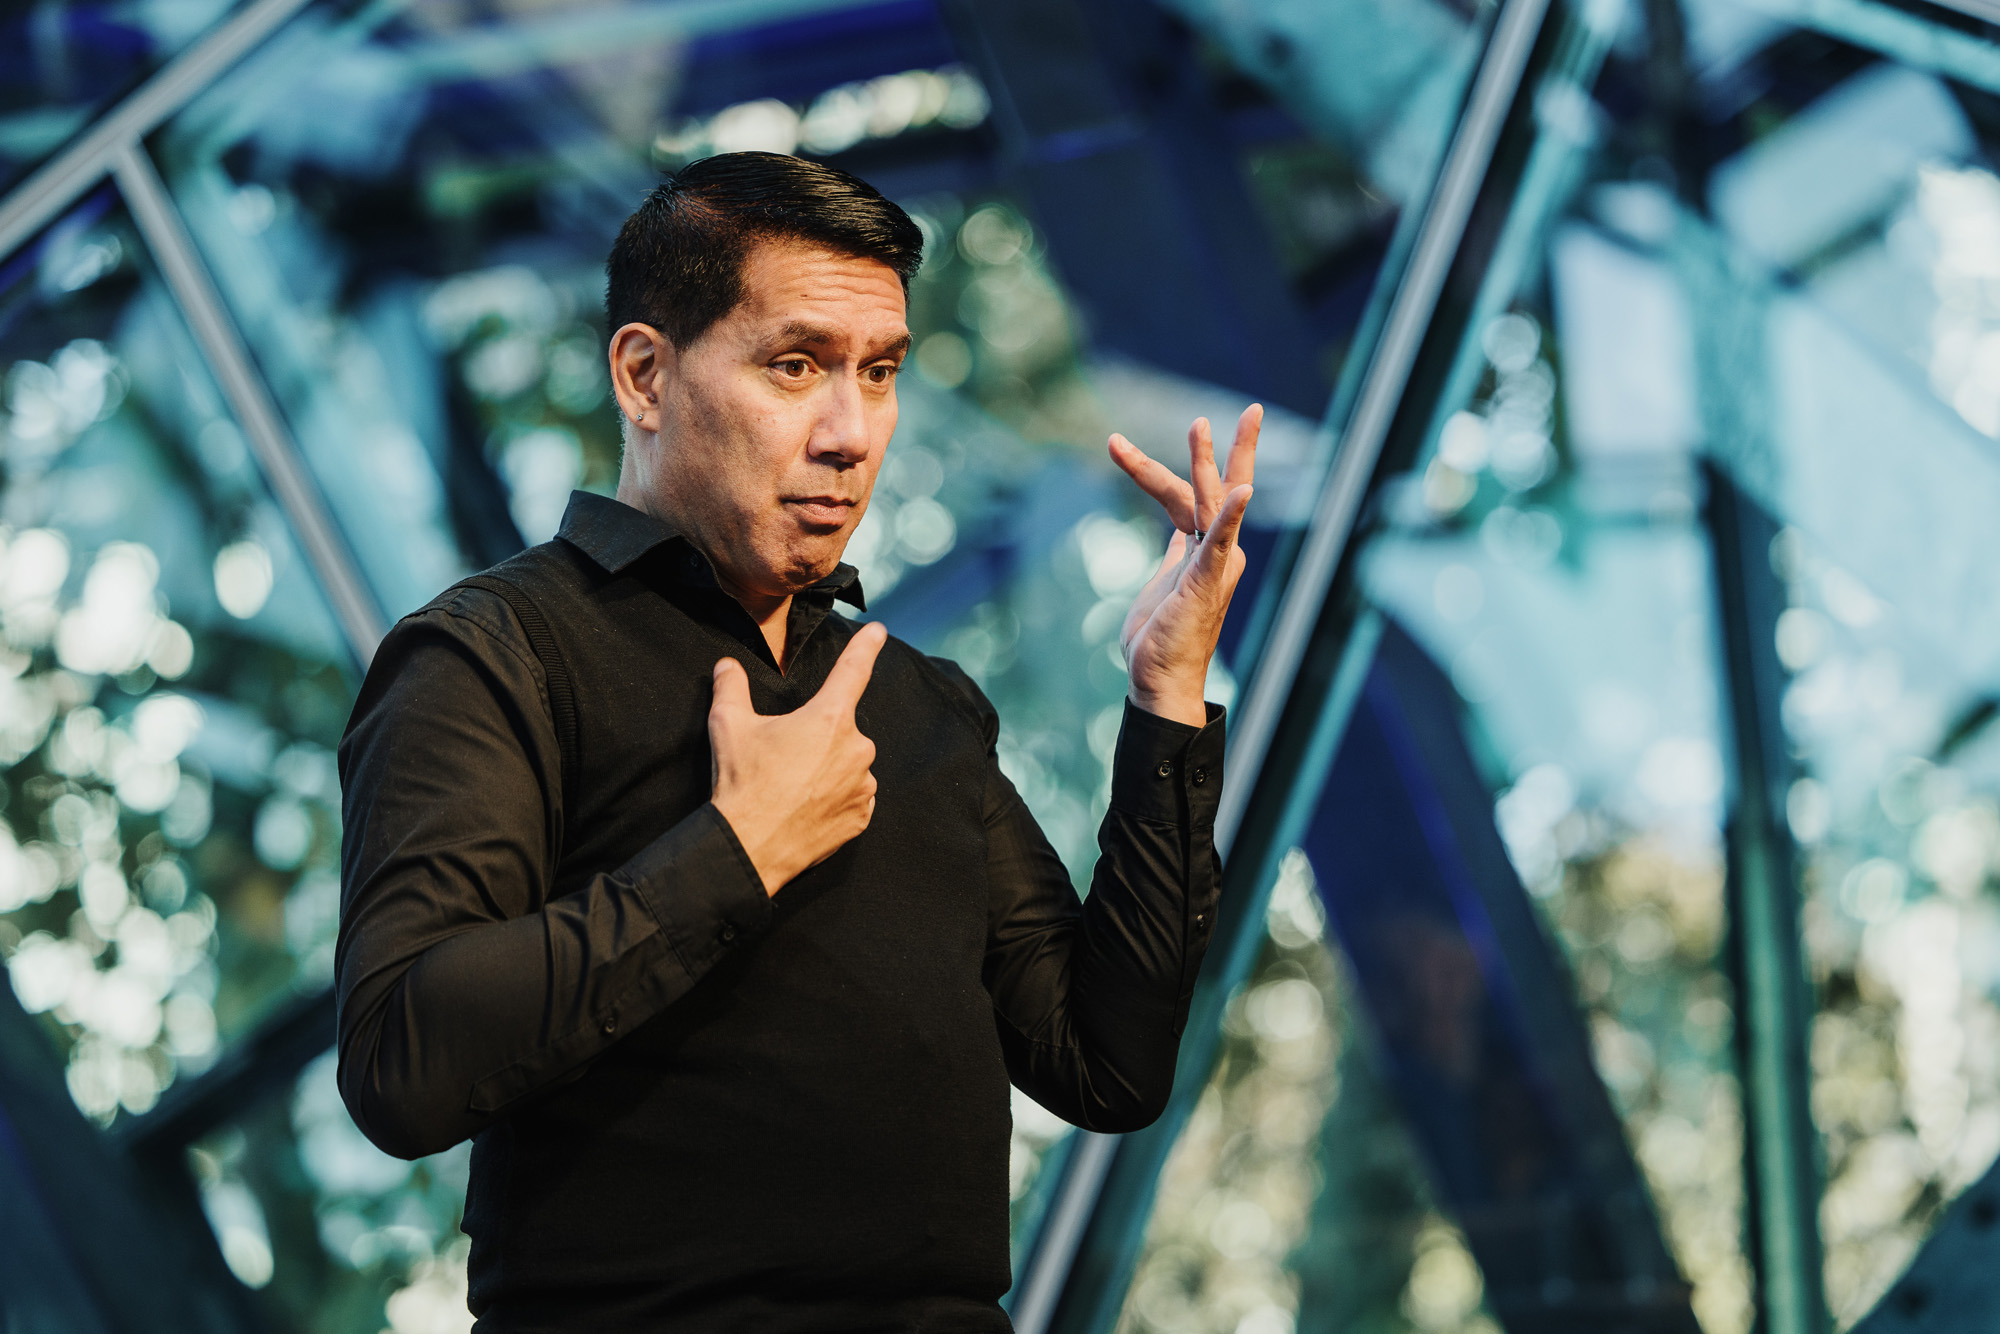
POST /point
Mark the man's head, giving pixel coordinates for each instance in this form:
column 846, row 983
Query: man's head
column 756, row 305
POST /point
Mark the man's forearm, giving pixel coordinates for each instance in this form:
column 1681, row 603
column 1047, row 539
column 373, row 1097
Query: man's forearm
column 436, row 1045
column 1091, row 1001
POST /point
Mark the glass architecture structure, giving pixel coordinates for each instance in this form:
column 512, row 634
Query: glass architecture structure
column 1611, row 932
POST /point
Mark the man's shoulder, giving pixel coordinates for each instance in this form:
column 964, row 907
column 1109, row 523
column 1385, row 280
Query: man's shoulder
column 949, row 680
column 553, row 571
column 482, row 608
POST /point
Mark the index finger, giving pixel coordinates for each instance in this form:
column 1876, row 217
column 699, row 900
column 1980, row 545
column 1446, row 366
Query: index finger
column 1201, row 472
column 850, row 674
column 1157, row 481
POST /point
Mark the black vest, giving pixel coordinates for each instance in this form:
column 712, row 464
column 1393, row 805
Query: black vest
column 816, row 1136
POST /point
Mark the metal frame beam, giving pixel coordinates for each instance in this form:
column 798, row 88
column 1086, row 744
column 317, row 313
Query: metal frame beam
column 261, row 1060
column 1773, row 1003
column 1331, row 530
column 1986, row 11
column 271, row 443
column 63, row 179
column 113, row 146
column 1306, row 675
column 1903, row 36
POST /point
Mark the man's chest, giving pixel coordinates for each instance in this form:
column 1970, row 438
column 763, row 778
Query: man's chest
column 642, row 683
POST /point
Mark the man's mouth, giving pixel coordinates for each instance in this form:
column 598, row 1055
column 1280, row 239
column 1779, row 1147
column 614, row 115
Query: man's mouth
column 820, row 511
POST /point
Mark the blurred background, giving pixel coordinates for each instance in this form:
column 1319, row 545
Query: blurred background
column 1612, row 934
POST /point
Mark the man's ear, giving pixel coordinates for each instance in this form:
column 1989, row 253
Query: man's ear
column 641, row 362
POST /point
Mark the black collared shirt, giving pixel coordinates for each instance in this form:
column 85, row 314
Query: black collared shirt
column 693, row 1105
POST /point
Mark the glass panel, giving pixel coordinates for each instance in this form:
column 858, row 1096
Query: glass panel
column 337, row 1236
column 174, row 687
column 1803, row 300
column 1876, row 416
column 1295, row 1198
column 62, row 62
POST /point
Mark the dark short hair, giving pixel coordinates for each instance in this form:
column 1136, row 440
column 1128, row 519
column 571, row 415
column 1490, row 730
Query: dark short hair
column 678, row 261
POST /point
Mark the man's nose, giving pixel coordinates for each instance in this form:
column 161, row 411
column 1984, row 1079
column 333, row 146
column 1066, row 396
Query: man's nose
column 840, row 434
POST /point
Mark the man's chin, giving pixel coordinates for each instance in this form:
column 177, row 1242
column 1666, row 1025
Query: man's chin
column 812, row 560
column 790, row 562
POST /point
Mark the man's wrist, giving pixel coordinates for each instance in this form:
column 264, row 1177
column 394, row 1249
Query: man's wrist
column 1181, row 706
column 763, row 858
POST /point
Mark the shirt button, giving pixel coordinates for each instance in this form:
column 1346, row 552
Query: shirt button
column 1201, row 919
column 610, row 1025
column 1166, row 769
column 728, row 932
column 1198, row 777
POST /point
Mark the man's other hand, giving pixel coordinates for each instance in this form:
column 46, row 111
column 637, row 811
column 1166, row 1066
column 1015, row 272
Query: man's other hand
column 1171, row 631
column 795, row 786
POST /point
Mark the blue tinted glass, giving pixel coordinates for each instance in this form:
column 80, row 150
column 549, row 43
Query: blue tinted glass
column 1799, row 303
column 174, row 687
column 61, row 63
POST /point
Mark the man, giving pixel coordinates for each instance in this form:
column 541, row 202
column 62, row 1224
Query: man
column 709, row 916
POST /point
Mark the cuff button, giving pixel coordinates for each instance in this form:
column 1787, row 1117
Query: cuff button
column 1166, row 769
column 610, row 1026
column 1198, row 777
column 727, row 933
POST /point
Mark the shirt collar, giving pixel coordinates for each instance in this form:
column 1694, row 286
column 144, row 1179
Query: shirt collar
column 616, row 536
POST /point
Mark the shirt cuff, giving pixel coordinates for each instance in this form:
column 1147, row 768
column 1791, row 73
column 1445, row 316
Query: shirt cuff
column 702, row 889
column 1166, row 771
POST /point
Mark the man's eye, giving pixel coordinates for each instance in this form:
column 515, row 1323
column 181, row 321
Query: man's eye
column 795, row 368
column 881, row 374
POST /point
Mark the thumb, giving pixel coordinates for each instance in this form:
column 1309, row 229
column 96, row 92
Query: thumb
column 849, row 676
column 732, row 692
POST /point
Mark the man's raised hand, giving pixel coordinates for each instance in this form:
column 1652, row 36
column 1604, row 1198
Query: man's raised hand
column 1172, row 629
column 795, row 786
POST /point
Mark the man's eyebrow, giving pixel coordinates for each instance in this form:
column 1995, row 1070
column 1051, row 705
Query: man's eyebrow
column 799, row 333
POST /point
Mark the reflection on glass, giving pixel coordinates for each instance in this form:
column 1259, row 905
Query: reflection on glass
column 170, row 689
column 1893, row 672
column 339, row 1235
column 1820, row 331
column 1870, row 398
column 1903, row 836
column 60, row 64
column 1295, row 1198
column 1563, row 581
column 838, row 119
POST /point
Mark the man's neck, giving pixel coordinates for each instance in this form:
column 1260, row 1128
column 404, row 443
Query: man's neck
column 771, row 614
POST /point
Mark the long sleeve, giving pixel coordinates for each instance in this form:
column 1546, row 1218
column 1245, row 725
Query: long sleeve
column 463, row 985
column 1090, row 997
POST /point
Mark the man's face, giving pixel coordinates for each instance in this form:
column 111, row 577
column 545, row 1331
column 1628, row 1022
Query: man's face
column 771, row 426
